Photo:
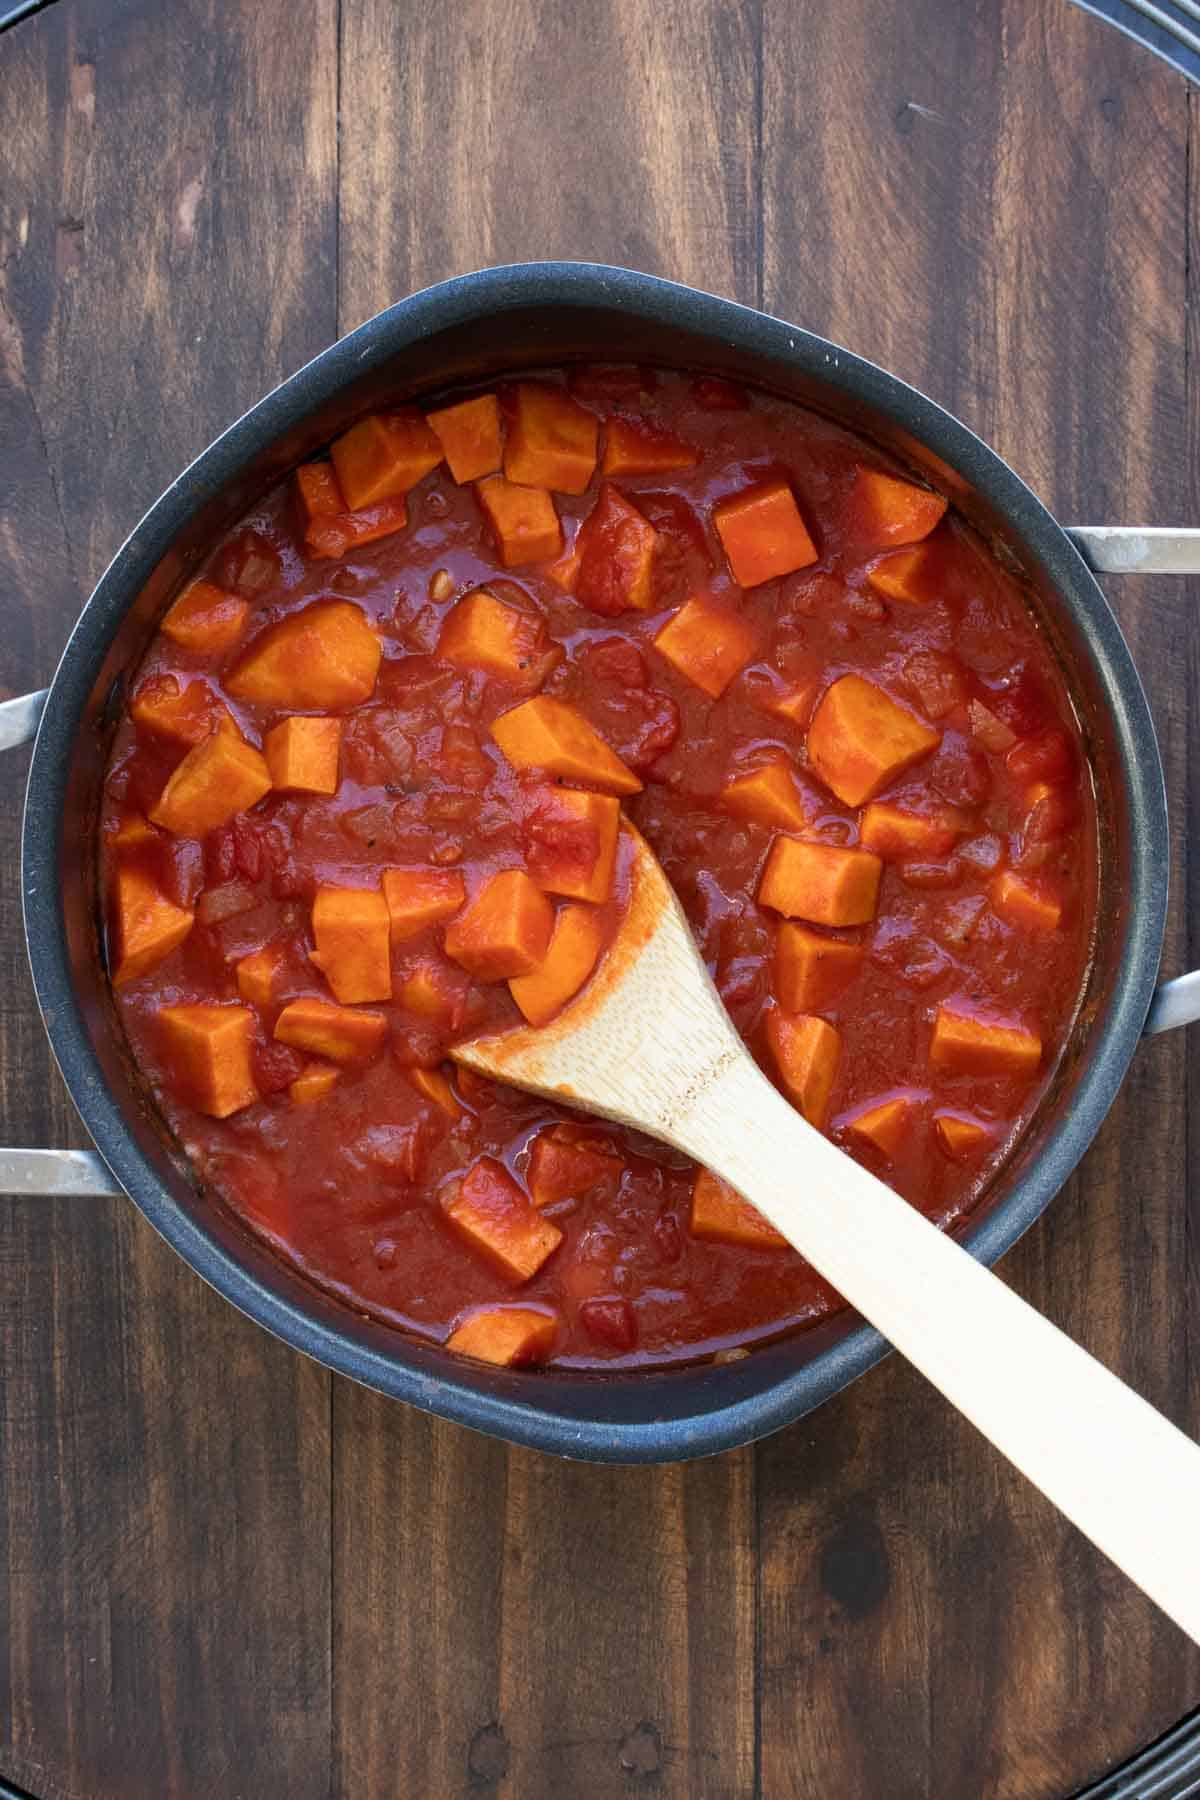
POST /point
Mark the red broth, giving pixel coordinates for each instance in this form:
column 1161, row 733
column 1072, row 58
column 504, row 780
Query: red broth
column 943, row 968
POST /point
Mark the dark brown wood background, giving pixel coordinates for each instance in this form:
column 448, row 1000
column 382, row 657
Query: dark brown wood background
column 223, row 1571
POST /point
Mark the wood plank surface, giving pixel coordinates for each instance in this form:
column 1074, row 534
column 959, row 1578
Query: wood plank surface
column 222, row 1570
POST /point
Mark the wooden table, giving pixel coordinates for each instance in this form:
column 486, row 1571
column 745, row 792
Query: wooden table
column 224, row 1571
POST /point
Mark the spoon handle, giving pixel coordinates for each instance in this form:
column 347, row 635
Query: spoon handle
column 1113, row 1465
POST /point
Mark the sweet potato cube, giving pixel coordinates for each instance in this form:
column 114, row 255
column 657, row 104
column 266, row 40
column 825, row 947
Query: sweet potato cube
column 961, row 1137
column 565, row 1166
column 258, row 973
column 896, row 835
column 721, row 1214
column 523, row 520
column 432, row 1085
column 790, row 700
column 762, row 533
column 963, row 1043
column 890, row 511
column 216, row 779
column 497, row 1220
column 313, row 1083
column 812, row 971
column 511, row 1336
column 768, row 795
column 885, row 1124
column 420, row 897
column 860, row 739
column 470, row 436
column 352, row 929
column 504, row 931
column 330, row 528
column 615, row 545
column 134, row 832
column 337, row 1032
column 208, row 1054
column 551, row 440
column 570, row 959
column 382, row 457
column 638, row 450
column 552, row 736
column 319, row 493
column 434, row 992
column 184, row 713
column 565, row 572
column 147, row 926
column 1025, row 902
column 302, row 754
column 707, row 644
column 206, row 620
column 570, row 842
column 325, row 655
column 904, row 575
column 481, row 632
column 806, row 1052
column 822, row 882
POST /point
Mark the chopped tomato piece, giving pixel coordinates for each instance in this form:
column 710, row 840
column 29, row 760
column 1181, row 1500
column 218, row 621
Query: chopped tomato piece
column 615, row 549
column 763, row 534
column 570, row 840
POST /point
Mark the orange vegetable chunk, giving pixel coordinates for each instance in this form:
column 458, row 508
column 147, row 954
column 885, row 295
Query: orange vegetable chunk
column 904, row 575
column 420, row 897
column 134, row 832
column 551, row 440
column 615, row 547
column 812, row 971
column 860, row 739
column 206, row 620
column 216, row 779
column 565, row 572
column 571, row 843
column 183, row 713
column 482, row 632
column 720, row 1213
column 432, row 991
column 563, row 1165
column 330, row 528
column 552, row 736
column 707, row 644
column 891, row 511
column 511, row 1336
column 570, row 959
column 470, row 436
column 762, row 533
column 497, row 1219
column 961, row 1137
column 325, row 655
column 258, row 973
column 339, row 1032
column 1025, row 902
column 432, row 1085
column 504, row 931
column 302, row 754
column 806, row 1052
column 523, row 519
column 353, row 932
column 965, row 1044
column 382, row 457
column 895, row 834
column 768, row 795
column 638, row 450
column 208, row 1050
column 821, row 882
column 790, row 700
column 313, row 1083
column 885, row 1124
column 148, row 926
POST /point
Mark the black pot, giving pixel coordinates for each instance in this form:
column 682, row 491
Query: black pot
column 489, row 324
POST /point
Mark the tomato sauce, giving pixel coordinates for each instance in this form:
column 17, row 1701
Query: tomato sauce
column 942, row 965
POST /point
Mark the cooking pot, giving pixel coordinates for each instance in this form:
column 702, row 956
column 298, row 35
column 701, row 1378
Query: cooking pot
column 493, row 324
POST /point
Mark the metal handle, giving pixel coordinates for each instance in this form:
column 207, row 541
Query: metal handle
column 1138, row 549
column 19, row 719
column 61, row 1174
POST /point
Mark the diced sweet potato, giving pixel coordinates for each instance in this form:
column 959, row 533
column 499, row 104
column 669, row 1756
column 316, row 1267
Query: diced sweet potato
column 496, row 1218
column 570, row 842
column 1025, row 902
column 615, row 545
column 352, row 929
column 420, row 897
column 631, row 449
column 434, row 992
column 169, row 708
column 904, row 575
column 258, row 973
column 206, row 620
column 963, row 1043
column 522, row 519
column 511, row 1336
column 218, row 778
column 208, row 1056
column 134, row 832
column 783, row 699
column 302, row 754
column 565, row 572
column 768, row 795
column 147, row 925
column 708, row 644
column 382, row 457
column 482, row 632
column 565, row 1166
column 889, row 511
column 860, row 739
column 812, row 971
column 330, row 528
column 897, row 835
column 504, row 931
column 570, row 959
column 721, row 1214
column 325, row 655
column 470, row 436
column 822, row 882
column 551, row 440
column 885, row 1124
column 341, row 1033
column 313, row 1083
column 806, row 1052
column 961, row 1137
column 762, row 533
column 552, row 736
column 432, row 1085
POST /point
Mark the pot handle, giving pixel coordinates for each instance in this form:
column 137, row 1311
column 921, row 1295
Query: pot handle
column 1138, row 549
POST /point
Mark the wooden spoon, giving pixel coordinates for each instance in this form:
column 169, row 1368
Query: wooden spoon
column 648, row 1043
